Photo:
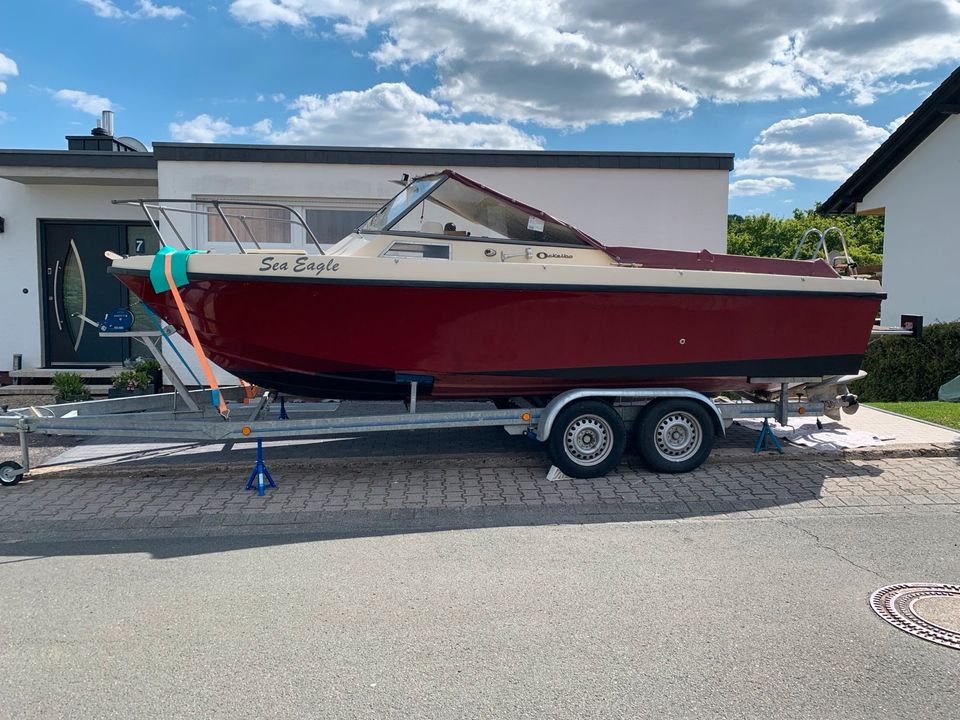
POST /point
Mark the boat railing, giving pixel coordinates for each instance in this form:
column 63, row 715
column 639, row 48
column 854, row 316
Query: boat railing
column 821, row 246
column 225, row 210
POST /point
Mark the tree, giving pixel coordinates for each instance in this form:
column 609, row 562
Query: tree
column 769, row 236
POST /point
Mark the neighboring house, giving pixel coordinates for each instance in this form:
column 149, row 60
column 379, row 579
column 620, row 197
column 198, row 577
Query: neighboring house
column 59, row 220
column 913, row 180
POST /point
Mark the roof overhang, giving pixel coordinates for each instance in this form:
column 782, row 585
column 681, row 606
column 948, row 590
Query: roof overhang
column 412, row 157
column 65, row 167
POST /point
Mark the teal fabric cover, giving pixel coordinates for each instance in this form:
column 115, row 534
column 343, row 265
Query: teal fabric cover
column 178, row 268
column 950, row 391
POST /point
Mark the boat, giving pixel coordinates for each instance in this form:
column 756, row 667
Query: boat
column 472, row 294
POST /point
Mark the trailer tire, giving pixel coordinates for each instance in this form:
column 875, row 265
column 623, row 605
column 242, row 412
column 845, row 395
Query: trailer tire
column 587, row 439
column 10, row 473
column 674, row 435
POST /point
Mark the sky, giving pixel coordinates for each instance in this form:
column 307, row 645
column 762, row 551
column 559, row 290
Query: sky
column 802, row 93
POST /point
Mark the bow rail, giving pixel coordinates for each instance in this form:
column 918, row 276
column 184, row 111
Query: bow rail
column 163, row 207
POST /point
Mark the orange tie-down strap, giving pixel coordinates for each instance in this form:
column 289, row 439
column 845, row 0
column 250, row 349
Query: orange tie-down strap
column 195, row 341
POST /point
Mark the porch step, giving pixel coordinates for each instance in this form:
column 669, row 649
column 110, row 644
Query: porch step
column 87, row 373
column 46, row 390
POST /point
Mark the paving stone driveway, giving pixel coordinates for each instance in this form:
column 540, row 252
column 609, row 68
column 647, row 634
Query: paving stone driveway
column 392, row 495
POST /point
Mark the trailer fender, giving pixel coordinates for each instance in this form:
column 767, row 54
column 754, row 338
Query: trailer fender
column 553, row 408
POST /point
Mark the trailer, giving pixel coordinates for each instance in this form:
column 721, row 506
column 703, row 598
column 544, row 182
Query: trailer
column 584, row 431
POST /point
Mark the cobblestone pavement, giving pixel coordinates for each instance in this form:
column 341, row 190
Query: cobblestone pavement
column 393, row 495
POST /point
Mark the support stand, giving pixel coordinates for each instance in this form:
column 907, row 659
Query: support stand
column 766, row 432
column 283, row 410
column 260, row 472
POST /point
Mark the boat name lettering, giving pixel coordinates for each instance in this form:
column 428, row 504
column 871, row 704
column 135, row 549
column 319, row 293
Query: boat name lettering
column 301, row 264
column 562, row 256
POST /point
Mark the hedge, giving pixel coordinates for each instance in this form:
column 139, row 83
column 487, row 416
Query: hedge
column 901, row 369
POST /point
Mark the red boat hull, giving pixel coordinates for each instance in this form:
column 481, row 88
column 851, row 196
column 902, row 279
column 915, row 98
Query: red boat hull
column 347, row 340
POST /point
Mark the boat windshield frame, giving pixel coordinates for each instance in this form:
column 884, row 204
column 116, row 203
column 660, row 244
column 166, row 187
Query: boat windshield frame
column 434, row 181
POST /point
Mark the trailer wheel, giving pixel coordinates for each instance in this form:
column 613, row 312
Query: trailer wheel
column 674, row 435
column 587, row 439
column 10, row 472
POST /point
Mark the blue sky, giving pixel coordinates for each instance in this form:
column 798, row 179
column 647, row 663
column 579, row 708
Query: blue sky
column 801, row 92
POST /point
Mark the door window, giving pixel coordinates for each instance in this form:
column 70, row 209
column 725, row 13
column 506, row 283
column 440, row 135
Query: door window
column 74, row 294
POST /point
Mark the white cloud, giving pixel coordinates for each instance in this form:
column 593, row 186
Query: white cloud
column 267, row 13
column 8, row 68
column 83, row 101
column 897, row 122
column 386, row 115
column 166, row 12
column 275, row 97
column 145, row 9
column 569, row 63
column 825, row 146
column 391, row 115
column 204, row 129
column 104, row 8
column 759, row 186
column 5, row 117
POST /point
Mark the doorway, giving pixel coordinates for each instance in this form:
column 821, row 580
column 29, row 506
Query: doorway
column 76, row 282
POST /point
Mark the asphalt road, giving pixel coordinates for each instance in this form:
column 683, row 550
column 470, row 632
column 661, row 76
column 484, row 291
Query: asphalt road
column 752, row 618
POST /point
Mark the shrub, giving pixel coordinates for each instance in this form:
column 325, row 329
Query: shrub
column 903, row 369
column 147, row 367
column 70, row 387
column 131, row 380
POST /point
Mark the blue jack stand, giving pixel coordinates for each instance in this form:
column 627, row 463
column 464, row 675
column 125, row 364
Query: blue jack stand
column 283, row 410
column 766, row 432
column 260, row 472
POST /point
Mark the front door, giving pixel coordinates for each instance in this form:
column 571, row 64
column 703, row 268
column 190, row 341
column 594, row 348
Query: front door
column 76, row 282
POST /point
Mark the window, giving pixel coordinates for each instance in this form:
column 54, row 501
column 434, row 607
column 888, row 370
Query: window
column 418, row 250
column 331, row 226
column 270, row 226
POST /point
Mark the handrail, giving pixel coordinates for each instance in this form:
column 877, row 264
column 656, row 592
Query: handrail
column 161, row 205
column 822, row 245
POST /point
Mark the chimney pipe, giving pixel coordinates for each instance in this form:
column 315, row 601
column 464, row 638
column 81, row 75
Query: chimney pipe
column 107, row 123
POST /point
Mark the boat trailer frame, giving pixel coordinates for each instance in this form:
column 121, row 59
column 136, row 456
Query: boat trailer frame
column 171, row 416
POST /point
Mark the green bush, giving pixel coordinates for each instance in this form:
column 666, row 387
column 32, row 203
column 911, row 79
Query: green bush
column 902, row 369
column 146, row 366
column 131, row 380
column 770, row 236
column 70, row 387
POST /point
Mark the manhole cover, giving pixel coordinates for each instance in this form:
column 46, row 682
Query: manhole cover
column 928, row 610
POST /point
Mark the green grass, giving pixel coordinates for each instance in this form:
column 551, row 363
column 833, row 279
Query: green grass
column 942, row 413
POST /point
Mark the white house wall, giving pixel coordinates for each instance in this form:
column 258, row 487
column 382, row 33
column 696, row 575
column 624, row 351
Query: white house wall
column 21, row 206
column 921, row 246
column 673, row 209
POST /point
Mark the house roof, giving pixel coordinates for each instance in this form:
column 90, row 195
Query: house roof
column 933, row 112
column 439, row 158
column 76, row 159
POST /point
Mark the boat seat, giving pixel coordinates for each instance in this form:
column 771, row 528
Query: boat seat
column 281, row 251
column 431, row 228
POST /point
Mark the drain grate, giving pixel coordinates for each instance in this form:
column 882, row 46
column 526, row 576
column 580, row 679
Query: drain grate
column 902, row 607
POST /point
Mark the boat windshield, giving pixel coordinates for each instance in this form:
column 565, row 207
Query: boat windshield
column 390, row 213
column 463, row 209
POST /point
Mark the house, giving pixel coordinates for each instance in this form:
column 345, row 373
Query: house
column 913, row 180
column 58, row 218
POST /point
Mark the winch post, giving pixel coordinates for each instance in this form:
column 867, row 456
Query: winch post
column 783, row 411
column 24, row 450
